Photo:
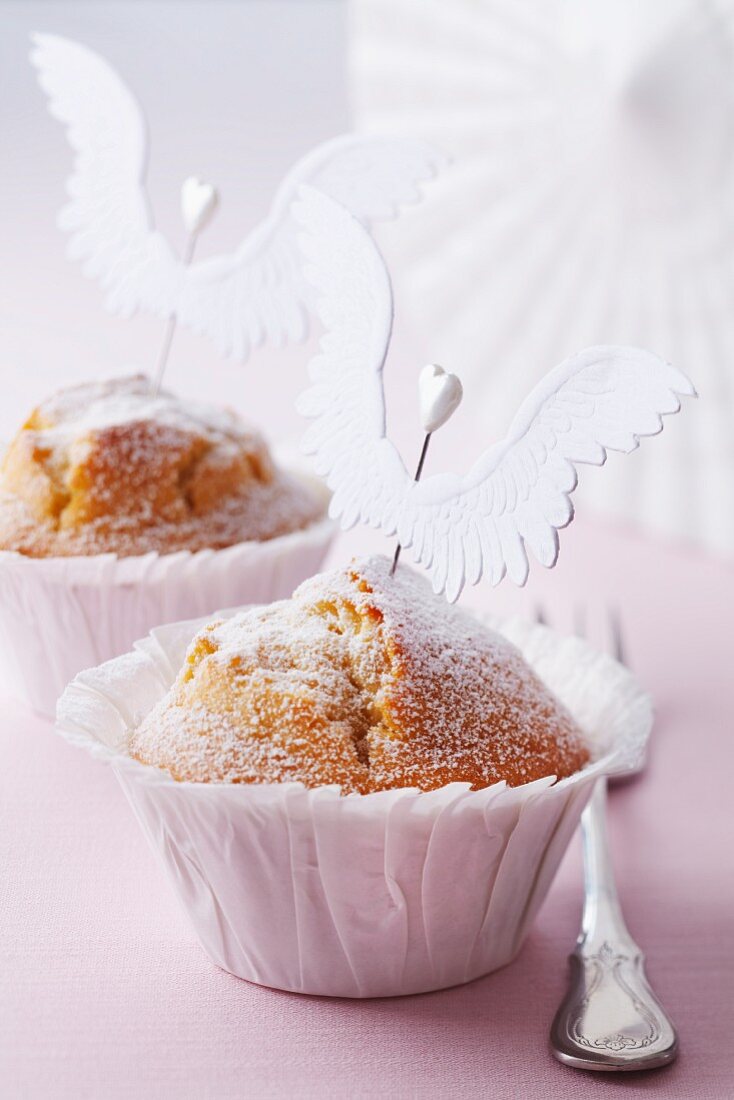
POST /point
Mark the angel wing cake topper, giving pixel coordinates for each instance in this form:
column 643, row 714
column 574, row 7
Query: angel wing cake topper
column 240, row 300
column 517, row 495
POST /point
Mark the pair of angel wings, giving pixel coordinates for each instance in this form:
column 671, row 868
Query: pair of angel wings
column 516, row 496
column 240, row 300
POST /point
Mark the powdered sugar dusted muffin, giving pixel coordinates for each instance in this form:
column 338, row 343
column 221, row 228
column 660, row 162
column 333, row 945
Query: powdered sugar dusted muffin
column 363, row 680
column 109, row 467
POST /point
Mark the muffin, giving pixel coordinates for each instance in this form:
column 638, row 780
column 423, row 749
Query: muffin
column 363, row 680
column 121, row 511
column 361, row 683
column 106, row 467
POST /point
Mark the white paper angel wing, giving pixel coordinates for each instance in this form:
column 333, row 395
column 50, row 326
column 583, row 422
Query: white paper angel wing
column 517, row 495
column 259, row 293
column 240, row 300
column 108, row 215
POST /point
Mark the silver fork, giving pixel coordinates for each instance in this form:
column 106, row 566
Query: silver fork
column 610, row 1019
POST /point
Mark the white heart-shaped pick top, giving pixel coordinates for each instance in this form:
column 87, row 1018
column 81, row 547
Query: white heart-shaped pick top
column 198, row 203
column 440, row 395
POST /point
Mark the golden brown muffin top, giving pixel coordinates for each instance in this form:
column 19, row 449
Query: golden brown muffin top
column 108, row 467
column 364, row 680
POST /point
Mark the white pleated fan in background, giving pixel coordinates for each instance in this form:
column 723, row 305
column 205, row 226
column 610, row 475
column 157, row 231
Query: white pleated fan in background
column 590, row 200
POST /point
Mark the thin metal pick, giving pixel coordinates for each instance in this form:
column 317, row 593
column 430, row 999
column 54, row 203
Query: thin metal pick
column 417, row 477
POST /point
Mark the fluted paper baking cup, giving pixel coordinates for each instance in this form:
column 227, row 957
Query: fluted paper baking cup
column 365, row 895
column 61, row 615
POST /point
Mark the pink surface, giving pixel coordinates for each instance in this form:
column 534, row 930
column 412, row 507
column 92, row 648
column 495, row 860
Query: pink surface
column 105, row 993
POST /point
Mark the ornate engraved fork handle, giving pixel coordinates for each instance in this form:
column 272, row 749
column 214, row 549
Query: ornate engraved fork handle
column 610, row 1018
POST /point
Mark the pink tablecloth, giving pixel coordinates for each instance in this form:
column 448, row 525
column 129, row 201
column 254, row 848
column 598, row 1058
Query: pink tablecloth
column 105, row 994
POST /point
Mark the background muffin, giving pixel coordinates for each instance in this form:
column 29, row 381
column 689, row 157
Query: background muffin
column 120, row 511
column 109, row 467
column 364, row 680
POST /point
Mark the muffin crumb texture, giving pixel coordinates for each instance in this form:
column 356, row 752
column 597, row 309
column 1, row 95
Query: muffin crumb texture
column 108, row 467
column 363, row 680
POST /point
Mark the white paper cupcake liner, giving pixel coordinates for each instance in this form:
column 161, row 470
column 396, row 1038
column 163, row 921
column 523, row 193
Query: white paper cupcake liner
column 61, row 615
column 365, row 895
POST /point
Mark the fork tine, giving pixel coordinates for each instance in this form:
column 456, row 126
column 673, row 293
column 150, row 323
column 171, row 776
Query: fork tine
column 615, row 630
column 619, row 651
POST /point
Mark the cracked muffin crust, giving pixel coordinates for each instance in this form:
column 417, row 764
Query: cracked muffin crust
column 363, row 680
column 107, row 467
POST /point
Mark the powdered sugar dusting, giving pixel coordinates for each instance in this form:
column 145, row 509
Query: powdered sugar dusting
column 93, row 406
column 364, row 680
column 107, row 467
